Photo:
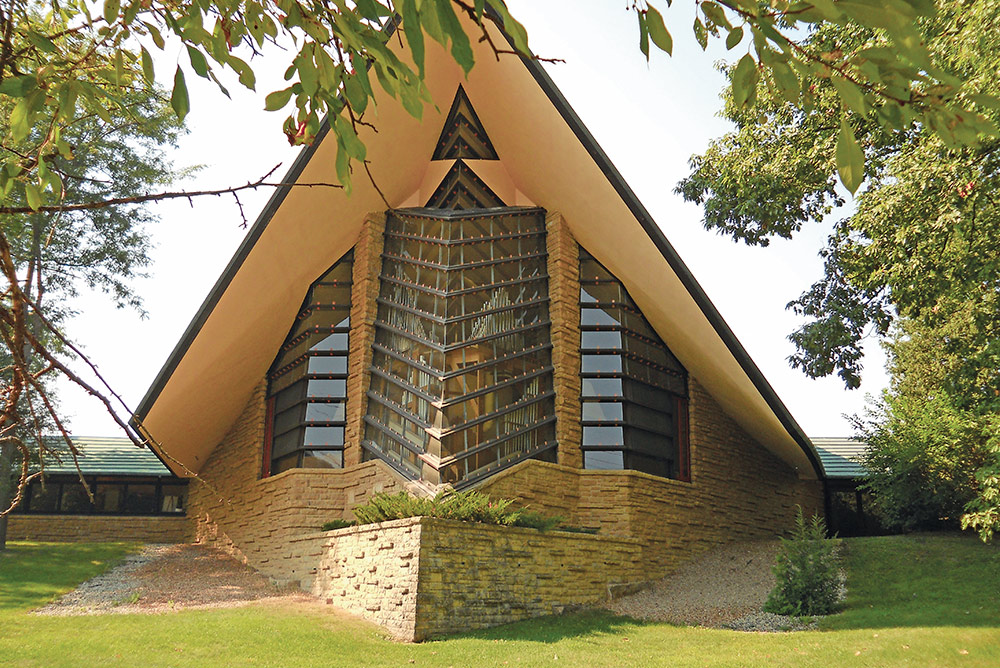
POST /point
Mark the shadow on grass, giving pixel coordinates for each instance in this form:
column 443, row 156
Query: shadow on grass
column 554, row 628
column 32, row 574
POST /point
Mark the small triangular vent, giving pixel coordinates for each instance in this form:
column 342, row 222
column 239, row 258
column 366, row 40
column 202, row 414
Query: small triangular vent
column 462, row 189
column 463, row 135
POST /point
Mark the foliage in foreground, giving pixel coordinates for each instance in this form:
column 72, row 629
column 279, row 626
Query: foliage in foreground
column 916, row 263
column 468, row 506
column 808, row 578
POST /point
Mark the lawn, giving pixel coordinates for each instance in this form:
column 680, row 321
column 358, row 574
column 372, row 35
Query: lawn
column 914, row 601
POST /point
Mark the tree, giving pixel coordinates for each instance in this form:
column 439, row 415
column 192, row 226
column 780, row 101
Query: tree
column 928, row 437
column 59, row 63
column 918, row 261
column 46, row 257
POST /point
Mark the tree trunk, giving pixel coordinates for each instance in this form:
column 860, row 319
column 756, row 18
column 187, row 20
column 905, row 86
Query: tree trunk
column 6, row 487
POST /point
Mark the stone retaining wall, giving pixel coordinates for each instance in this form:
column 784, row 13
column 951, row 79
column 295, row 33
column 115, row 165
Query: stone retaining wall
column 422, row 577
column 98, row 528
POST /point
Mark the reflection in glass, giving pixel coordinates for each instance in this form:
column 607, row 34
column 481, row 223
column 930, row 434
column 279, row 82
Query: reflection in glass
column 647, row 430
column 308, row 379
column 461, row 368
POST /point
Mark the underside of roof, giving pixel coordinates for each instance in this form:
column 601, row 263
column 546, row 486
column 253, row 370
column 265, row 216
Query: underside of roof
column 546, row 158
column 841, row 457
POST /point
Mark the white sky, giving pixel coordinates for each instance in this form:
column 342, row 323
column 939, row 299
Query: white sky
column 648, row 118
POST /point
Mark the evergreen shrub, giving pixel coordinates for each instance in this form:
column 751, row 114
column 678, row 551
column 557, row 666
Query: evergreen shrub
column 468, row 506
column 808, row 578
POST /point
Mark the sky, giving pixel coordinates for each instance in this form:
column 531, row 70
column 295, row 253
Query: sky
column 650, row 118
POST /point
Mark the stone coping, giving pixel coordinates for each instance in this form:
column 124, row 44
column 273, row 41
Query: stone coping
column 601, row 473
column 426, row 521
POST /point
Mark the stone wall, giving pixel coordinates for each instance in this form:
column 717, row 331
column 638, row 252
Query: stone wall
column 256, row 518
column 564, row 312
column 424, row 577
column 98, row 528
column 738, row 491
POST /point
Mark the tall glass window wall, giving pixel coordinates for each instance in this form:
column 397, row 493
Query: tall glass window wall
column 307, row 397
column 634, row 391
column 461, row 382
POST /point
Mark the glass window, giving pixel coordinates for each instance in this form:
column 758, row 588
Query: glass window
column 140, row 499
column 43, row 499
column 333, row 365
column 601, row 340
column 603, row 411
column 497, row 341
column 108, row 497
column 606, row 460
column 648, row 423
column 74, row 498
column 323, row 459
column 172, row 498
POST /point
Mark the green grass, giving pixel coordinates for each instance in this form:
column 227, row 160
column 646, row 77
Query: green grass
column 884, row 625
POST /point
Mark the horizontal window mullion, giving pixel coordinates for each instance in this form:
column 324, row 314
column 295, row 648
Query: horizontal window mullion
column 410, row 335
column 404, row 413
column 510, row 408
column 527, row 454
column 485, row 445
column 405, row 385
column 467, row 265
column 369, row 420
column 451, row 401
column 527, row 328
column 438, row 241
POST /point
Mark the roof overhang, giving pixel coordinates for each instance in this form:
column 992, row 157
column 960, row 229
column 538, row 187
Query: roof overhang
column 548, row 159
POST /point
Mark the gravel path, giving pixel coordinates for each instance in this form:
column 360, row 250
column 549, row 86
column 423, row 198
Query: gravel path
column 723, row 588
column 161, row 578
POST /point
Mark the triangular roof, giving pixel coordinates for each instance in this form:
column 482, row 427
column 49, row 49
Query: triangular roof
column 548, row 159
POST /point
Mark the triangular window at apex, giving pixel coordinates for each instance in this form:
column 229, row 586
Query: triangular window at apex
column 463, row 135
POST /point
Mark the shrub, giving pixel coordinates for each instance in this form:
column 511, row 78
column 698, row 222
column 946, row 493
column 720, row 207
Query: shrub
column 470, row 506
column 806, row 570
column 338, row 524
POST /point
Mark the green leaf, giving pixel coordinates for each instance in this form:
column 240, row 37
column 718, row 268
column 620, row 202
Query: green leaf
column 700, row 34
column 461, row 48
column 658, row 32
column 734, row 38
column 119, row 67
column 343, row 167
column 512, row 27
column 414, row 33
column 277, row 100
column 850, row 158
column 988, row 101
column 33, row 196
column 787, row 82
column 643, row 34
column 154, row 32
column 716, row 14
column 147, row 66
column 40, row 42
column 350, row 140
column 18, row 86
column 850, row 95
column 745, row 81
column 111, row 10
column 179, row 96
column 355, row 94
column 198, row 62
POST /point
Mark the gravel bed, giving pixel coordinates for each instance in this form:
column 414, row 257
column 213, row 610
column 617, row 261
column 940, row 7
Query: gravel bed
column 723, row 588
column 161, row 578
